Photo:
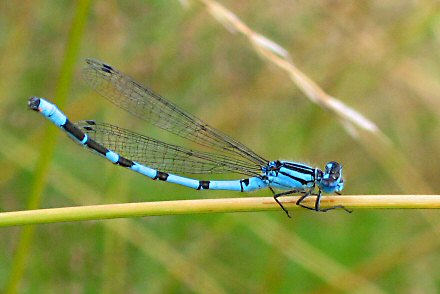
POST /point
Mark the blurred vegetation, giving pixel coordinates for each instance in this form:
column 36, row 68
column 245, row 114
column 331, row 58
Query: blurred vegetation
column 381, row 58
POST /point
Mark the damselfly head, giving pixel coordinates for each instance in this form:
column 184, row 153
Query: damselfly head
column 331, row 180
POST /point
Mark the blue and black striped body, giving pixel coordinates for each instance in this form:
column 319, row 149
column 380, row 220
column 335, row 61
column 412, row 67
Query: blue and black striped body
column 288, row 175
column 162, row 161
column 52, row 112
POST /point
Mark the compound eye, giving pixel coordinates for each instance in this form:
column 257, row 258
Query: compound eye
column 335, row 174
column 333, row 169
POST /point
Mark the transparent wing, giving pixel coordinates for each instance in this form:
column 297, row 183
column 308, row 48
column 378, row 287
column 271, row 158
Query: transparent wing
column 143, row 103
column 162, row 156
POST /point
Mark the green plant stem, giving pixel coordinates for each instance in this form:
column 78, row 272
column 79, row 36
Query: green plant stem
column 109, row 211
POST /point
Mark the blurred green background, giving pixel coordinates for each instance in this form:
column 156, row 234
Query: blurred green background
column 382, row 58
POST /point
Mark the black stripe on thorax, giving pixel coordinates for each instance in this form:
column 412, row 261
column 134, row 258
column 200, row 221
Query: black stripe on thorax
column 304, row 169
column 299, row 180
